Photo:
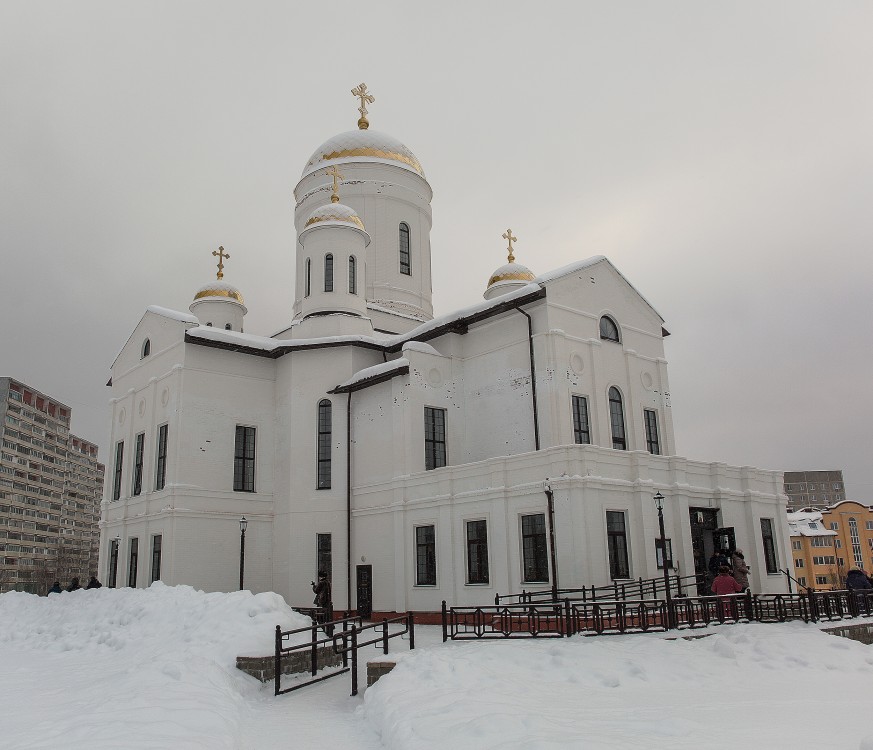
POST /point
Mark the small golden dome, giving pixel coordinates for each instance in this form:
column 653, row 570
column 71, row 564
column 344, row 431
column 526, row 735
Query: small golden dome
column 335, row 212
column 221, row 290
column 511, row 272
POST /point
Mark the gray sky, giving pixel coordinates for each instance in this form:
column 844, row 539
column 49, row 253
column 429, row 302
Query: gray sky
column 718, row 153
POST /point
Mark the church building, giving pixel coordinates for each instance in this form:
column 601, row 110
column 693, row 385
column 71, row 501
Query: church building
column 411, row 457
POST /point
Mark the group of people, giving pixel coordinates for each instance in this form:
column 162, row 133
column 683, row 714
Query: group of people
column 729, row 575
column 74, row 585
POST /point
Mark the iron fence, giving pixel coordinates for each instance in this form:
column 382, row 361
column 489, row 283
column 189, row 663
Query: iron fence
column 637, row 590
column 504, row 621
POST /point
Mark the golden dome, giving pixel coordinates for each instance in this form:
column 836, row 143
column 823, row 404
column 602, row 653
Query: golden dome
column 220, row 290
column 335, row 212
column 511, row 272
column 363, row 146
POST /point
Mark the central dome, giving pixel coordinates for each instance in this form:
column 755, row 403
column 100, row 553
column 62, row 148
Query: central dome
column 219, row 290
column 363, row 145
column 335, row 212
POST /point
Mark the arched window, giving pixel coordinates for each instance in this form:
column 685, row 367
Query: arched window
column 324, row 439
column 353, row 275
column 328, row 273
column 609, row 329
column 307, row 278
column 209, row 324
column 616, row 420
column 857, row 555
column 405, row 267
column 146, row 349
column 227, row 327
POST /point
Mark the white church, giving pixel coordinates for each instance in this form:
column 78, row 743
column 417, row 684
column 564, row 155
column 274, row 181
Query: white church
column 405, row 455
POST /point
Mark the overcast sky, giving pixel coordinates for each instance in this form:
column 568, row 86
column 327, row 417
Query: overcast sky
column 718, row 153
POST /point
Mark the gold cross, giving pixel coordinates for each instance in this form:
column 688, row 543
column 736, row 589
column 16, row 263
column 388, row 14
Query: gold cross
column 366, row 98
column 337, row 175
column 507, row 235
column 221, row 256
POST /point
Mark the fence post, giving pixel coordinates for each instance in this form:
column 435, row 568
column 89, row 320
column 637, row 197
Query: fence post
column 313, row 651
column 384, row 636
column 445, row 623
column 277, row 662
column 496, row 600
column 410, row 624
column 569, row 623
column 354, row 660
column 749, row 611
column 813, row 604
column 345, row 642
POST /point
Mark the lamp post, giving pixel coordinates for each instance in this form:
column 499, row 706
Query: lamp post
column 243, row 523
column 659, row 504
column 553, row 559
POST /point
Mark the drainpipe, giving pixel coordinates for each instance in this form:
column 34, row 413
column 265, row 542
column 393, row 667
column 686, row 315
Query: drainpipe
column 349, row 502
column 533, row 379
column 550, row 501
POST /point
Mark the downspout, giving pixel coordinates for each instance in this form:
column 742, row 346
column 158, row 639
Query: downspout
column 533, row 379
column 349, row 502
column 550, row 501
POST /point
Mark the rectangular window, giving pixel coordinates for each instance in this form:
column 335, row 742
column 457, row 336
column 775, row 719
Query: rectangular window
column 834, row 526
column 616, row 539
column 798, row 563
column 161, row 459
column 434, row 438
column 581, row 429
column 119, row 459
column 325, row 439
column 821, row 580
column 824, row 560
column 477, row 552
column 113, row 564
column 801, row 580
column 138, row 446
column 324, row 555
column 425, row 556
column 132, row 562
column 769, row 545
column 405, row 266
column 795, row 544
column 535, row 551
column 653, row 444
column 659, row 553
column 869, row 525
column 838, row 543
column 820, row 541
column 244, row 460
column 156, row 557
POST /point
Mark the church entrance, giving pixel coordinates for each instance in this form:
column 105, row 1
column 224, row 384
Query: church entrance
column 704, row 524
column 365, row 590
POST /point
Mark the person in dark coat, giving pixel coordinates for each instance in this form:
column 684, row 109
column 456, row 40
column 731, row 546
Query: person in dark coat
column 94, row 583
column 856, row 580
column 56, row 588
column 323, row 599
column 740, row 569
column 74, row 585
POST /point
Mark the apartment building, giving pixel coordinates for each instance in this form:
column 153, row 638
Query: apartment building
column 814, row 489
column 50, row 489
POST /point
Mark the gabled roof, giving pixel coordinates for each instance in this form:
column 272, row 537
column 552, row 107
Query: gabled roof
column 164, row 312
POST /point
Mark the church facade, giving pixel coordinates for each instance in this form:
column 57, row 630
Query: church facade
column 407, row 456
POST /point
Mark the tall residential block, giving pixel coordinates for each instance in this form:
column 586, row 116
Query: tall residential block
column 814, row 489
column 50, row 489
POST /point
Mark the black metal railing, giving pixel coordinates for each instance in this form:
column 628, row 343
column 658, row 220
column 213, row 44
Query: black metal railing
column 637, row 590
column 344, row 637
column 572, row 616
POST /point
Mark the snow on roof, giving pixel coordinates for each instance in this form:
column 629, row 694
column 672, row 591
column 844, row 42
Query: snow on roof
column 173, row 314
column 393, row 366
column 807, row 523
column 420, row 346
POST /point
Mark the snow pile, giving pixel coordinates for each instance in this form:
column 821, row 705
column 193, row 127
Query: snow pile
column 111, row 668
column 743, row 686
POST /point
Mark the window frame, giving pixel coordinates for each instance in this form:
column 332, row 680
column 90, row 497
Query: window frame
column 474, row 548
column 653, row 438
column 579, row 409
column 112, row 577
column 324, row 444
column 405, row 263
column 307, row 278
column 146, row 349
column 245, row 465
column 138, row 464
column 161, row 457
column 324, row 553
column 436, row 448
column 353, row 275
column 617, row 419
column 606, row 336
column 157, row 545
column 537, row 562
column 132, row 561
column 425, row 556
column 119, row 470
column 328, row 273
column 612, row 541
column 768, row 542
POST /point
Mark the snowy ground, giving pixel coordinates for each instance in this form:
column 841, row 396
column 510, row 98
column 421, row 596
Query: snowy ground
column 155, row 669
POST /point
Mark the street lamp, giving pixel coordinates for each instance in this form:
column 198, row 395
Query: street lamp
column 243, row 523
column 659, row 504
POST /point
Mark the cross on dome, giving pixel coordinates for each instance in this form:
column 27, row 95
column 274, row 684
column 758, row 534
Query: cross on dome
column 507, row 235
column 221, row 256
column 360, row 91
column 337, row 176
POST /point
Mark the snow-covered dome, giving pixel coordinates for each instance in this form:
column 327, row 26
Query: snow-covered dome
column 362, row 146
column 335, row 212
column 219, row 290
column 511, row 272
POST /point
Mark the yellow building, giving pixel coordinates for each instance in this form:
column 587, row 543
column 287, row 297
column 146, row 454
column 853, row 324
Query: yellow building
column 828, row 544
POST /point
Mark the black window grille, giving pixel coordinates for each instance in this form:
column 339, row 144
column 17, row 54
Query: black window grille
column 616, row 539
column 161, row 460
column 353, row 275
column 156, row 557
column 769, row 545
column 133, row 562
column 534, row 548
column 477, row 552
column 434, row 438
column 581, row 428
column 405, row 265
column 138, row 451
column 328, row 273
column 609, row 329
column 425, row 556
column 653, row 443
column 616, row 420
column 244, row 460
column 119, row 464
column 324, row 555
column 324, row 439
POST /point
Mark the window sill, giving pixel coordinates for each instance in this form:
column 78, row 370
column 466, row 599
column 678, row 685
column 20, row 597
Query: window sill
column 479, row 585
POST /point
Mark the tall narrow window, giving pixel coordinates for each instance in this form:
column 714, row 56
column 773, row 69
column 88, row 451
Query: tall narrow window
column 653, row 444
column 616, row 420
column 324, row 555
column 138, row 451
column 119, row 464
column 156, row 557
column 328, row 273
column 113, row 563
column 405, row 266
column 307, row 278
column 325, row 431
column 146, row 349
column 769, row 545
column 132, row 562
column 477, row 552
column 161, row 458
column 581, row 430
column 434, row 438
column 244, row 459
column 425, row 556
column 608, row 329
column 534, row 550
column 616, row 539
column 856, row 543
column 353, row 275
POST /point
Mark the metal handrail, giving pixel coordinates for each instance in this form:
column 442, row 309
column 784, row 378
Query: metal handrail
column 615, row 591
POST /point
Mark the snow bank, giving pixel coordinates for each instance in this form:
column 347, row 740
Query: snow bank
column 744, row 686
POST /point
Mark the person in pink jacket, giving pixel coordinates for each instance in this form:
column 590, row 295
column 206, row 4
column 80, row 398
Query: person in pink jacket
column 724, row 585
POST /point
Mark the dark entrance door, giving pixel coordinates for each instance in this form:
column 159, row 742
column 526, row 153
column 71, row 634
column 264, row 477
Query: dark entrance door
column 704, row 523
column 365, row 590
